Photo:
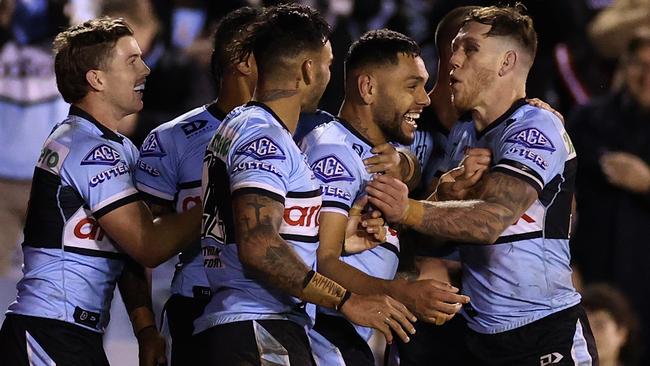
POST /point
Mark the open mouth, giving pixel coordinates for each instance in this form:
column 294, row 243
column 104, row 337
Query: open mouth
column 453, row 80
column 139, row 88
column 411, row 118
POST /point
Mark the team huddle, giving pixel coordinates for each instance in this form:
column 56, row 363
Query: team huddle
column 287, row 220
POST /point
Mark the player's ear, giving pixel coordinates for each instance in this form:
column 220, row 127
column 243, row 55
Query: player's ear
column 508, row 62
column 307, row 71
column 95, row 79
column 366, row 85
column 247, row 66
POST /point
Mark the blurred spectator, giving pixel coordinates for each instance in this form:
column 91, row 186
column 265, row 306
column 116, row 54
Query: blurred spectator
column 614, row 325
column 30, row 105
column 175, row 83
column 613, row 28
column 612, row 138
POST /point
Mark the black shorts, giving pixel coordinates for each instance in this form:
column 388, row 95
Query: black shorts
column 47, row 341
column 257, row 343
column 181, row 312
column 563, row 338
column 435, row 344
column 346, row 345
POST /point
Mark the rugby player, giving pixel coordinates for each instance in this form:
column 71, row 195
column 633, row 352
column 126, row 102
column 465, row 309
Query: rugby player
column 513, row 229
column 85, row 217
column 170, row 168
column 261, row 204
column 385, row 80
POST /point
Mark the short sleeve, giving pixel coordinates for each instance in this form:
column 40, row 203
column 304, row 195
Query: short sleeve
column 260, row 161
column 533, row 150
column 156, row 171
column 336, row 167
column 101, row 173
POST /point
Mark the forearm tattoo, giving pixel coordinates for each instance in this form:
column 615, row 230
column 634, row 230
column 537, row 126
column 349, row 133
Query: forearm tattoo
column 499, row 202
column 264, row 253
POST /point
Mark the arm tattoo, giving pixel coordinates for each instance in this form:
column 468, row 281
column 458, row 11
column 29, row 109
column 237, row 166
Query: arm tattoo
column 498, row 203
column 261, row 249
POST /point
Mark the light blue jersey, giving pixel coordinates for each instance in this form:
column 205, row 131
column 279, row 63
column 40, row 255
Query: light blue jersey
column 525, row 275
column 169, row 170
column 71, row 265
column 253, row 152
column 335, row 152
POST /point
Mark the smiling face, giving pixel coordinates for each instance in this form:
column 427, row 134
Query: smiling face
column 124, row 77
column 475, row 63
column 400, row 98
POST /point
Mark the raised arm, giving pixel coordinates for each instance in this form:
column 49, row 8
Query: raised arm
column 500, row 201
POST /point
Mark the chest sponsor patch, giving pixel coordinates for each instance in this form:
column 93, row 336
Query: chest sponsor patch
column 151, row 146
column 263, row 148
column 101, row 155
column 532, row 138
column 330, row 169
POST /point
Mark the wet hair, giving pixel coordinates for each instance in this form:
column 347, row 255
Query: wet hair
column 84, row 47
column 228, row 36
column 508, row 21
column 610, row 300
column 379, row 47
column 283, row 32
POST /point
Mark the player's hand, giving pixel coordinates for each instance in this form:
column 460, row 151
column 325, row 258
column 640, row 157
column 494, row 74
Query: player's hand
column 535, row 102
column 151, row 347
column 363, row 231
column 386, row 160
column 626, row 171
column 431, row 300
column 457, row 183
column 381, row 312
column 390, row 196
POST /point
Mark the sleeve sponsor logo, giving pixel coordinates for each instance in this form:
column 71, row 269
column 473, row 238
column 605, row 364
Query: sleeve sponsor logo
column 52, row 156
column 358, row 149
column 529, row 155
column 263, row 148
column 532, row 138
column 336, row 192
column 109, row 174
column 193, row 126
column 151, row 146
column 148, row 168
column 102, row 155
column 330, row 169
column 257, row 165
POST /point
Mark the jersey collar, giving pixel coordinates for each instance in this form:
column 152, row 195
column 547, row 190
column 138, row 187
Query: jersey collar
column 266, row 108
column 106, row 132
column 516, row 105
column 356, row 133
column 216, row 112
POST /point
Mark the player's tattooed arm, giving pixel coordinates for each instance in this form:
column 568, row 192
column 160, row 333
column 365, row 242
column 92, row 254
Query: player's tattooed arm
column 261, row 249
column 499, row 202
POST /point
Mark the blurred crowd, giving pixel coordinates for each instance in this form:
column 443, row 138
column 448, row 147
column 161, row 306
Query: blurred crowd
column 593, row 65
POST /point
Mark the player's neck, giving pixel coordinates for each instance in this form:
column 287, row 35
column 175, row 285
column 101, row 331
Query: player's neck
column 360, row 118
column 441, row 104
column 284, row 102
column 104, row 113
column 495, row 103
column 233, row 93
